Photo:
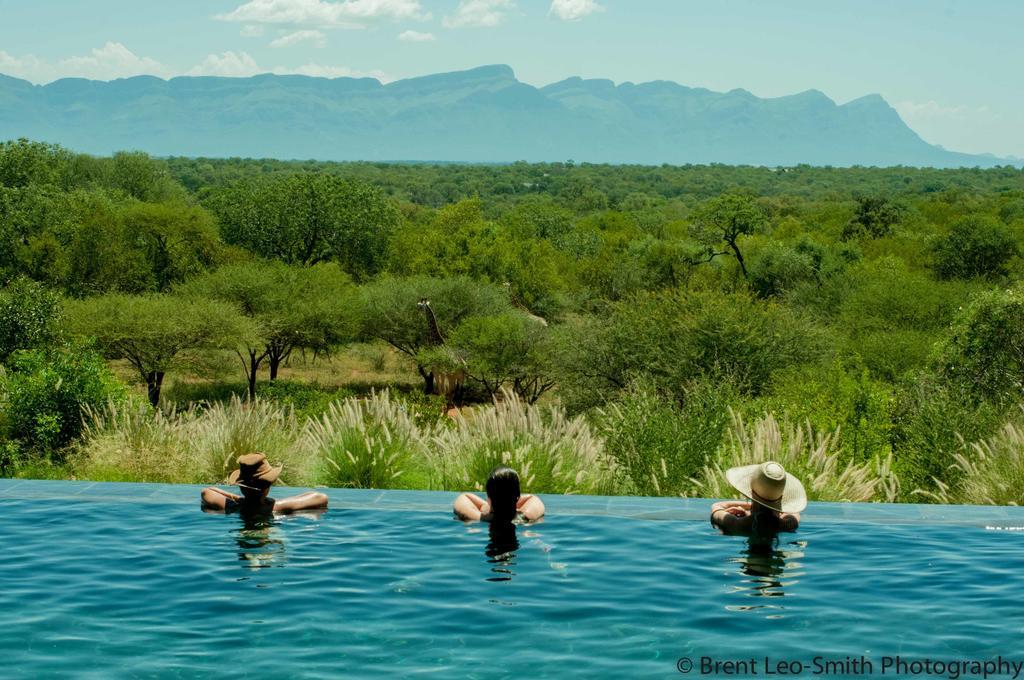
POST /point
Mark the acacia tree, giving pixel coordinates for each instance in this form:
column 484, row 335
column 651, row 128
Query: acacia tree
column 309, row 218
column 291, row 307
column 721, row 221
column 506, row 350
column 158, row 333
column 389, row 312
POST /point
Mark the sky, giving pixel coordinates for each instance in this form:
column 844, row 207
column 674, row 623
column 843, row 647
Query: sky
column 952, row 68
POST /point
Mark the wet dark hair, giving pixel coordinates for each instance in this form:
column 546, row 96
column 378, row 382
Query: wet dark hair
column 503, row 490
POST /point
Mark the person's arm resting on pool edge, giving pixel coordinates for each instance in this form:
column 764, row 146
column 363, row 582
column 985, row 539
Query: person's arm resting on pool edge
column 311, row 500
column 530, row 507
column 217, row 499
column 734, row 517
column 468, row 507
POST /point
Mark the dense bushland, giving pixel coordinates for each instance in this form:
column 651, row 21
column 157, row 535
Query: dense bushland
column 611, row 329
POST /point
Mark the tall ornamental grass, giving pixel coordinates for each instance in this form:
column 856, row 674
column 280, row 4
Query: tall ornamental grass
column 133, row 442
column 552, row 452
column 365, row 443
column 987, row 472
column 812, row 457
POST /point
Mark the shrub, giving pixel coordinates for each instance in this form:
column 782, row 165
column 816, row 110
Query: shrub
column 660, row 446
column 976, row 246
column 672, row 338
column 988, row 472
column 29, row 317
column 812, row 457
column 983, row 352
column 134, row 442
column 874, row 216
column 930, row 417
column 552, row 452
column 365, row 443
column 45, row 392
column 832, row 396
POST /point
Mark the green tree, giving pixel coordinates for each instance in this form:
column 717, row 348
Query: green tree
column 292, row 307
column 722, row 221
column 984, row 349
column 309, row 218
column 29, row 317
column 976, row 246
column 175, row 240
column 671, row 338
column 874, row 216
column 390, row 312
column 158, row 333
column 44, row 392
column 506, row 350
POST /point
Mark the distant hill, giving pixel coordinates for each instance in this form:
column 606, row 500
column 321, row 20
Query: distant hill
column 480, row 115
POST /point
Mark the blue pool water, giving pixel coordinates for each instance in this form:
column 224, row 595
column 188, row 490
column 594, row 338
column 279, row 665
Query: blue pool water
column 121, row 580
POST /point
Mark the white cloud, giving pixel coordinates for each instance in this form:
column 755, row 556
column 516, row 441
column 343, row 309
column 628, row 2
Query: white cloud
column 473, row 13
column 228, row 64
column 251, row 31
column 416, row 36
column 324, row 13
column 114, row 60
column 932, row 109
column 571, row 10
column 326, row 71
column 111, row 61
column 317, row 38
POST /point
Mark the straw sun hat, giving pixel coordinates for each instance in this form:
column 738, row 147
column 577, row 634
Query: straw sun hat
column 254, row 472
column 769, row 484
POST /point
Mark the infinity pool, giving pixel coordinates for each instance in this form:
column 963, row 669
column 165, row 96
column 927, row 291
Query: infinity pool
column 133, row 580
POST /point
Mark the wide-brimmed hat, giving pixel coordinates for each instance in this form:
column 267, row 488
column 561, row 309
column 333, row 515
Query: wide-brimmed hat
column 769, row 484
column 254, row 472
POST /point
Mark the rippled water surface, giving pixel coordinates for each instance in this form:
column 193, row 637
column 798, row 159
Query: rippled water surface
column 111, row 589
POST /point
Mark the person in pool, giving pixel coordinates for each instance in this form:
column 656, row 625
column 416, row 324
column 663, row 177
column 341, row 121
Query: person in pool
column 254, row 478
column 776, row 500
column 504, row 501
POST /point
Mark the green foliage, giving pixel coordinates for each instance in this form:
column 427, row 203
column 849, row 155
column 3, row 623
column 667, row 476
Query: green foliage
column 809, row 455
column 987, row 472
column 983, row 353
column 391, row 311
column 365, row 443
column 30, row 317
column 930, row 421
column 157, row 333
column 44, row 392
column 673, row 337
column 266, row 293
column 508, row 350
column 891, row 316
column 660, row 446
column 976, row 246
column 836, row 397
column 309, row 218
column 874, row 216
column 721, row 221
column 552, row 452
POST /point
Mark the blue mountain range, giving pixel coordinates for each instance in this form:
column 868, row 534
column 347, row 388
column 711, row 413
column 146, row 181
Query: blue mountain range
column 481, row 115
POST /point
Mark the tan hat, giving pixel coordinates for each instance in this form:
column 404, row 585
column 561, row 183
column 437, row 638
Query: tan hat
column 769, row 484
column 254, row 472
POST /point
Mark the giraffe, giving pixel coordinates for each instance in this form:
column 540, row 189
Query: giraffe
column 444, row 382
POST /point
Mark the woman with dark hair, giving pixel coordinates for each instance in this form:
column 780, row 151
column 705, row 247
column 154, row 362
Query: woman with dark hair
column 504, row 501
